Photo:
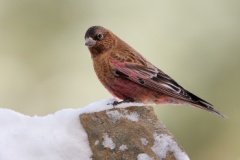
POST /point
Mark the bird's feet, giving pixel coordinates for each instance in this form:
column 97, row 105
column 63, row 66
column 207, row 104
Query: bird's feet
column 115, row 103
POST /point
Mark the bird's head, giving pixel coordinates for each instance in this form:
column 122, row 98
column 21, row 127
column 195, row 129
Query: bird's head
column 99, row 39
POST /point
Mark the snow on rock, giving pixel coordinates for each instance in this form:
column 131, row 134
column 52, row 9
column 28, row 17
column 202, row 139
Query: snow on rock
column 123, row 147
column 116, row 115
column 96, row 142
column 108, row 142
column 57, row 136
column 125, row 105
column 164, row 143
column 133, row 116
column 144, row 141
column 143, row 156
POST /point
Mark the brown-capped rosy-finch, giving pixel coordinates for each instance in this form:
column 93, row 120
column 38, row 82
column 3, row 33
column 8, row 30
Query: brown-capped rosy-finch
column 130, row 77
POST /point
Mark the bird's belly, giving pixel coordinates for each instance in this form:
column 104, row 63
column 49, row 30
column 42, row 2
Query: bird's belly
column 124, row 88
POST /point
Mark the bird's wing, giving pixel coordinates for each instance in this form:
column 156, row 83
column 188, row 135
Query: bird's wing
column 153, row 78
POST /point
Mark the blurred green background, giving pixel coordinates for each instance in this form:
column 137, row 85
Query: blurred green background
column 45, row 67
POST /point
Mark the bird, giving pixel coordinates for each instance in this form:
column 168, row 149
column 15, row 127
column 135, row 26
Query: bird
column 129, row 77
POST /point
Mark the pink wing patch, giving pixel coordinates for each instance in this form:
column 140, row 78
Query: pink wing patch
column 149, row 77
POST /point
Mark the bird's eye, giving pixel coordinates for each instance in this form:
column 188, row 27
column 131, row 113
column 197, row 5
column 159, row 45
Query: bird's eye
column 100, row 36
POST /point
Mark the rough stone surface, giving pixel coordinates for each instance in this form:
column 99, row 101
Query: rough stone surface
column 121, row 130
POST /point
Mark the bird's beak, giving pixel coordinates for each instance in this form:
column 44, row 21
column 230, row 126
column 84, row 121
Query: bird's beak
column 90, row 42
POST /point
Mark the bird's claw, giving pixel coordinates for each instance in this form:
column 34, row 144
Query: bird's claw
column 114, row 104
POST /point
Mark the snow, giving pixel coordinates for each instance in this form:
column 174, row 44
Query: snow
column 108, row 142
column 164, row 143
column 123, row 147
column 144, row 141
column 96, row 142
column 116, row 115
column 125, row 105
column 60, row 136
column 57, row 136
column 143, row 156
column 133, row 116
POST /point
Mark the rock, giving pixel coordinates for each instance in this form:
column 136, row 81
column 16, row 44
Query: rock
column 128, row 134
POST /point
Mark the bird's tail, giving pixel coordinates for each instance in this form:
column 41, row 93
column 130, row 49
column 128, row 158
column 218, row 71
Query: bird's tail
column 208, row 107
column 200, row 103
